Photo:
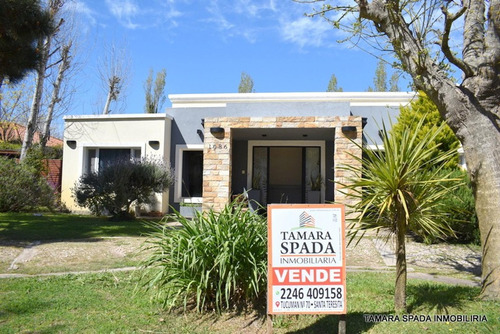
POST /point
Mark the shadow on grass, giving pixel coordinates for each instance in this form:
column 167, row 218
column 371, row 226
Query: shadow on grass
column 355, row 323
column 30, row 227
column 428, row 297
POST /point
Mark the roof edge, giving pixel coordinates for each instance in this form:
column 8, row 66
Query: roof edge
column 355, row 98
column 159, row 116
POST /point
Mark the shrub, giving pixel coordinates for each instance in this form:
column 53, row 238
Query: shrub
column 462, row 212
column 114, row 188
column 22, row 188
column 218, row 260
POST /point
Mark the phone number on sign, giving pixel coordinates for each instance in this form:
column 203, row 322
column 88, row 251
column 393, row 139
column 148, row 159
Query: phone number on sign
column 311, row 293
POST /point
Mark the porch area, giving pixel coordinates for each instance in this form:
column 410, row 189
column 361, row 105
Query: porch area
column 278, row 159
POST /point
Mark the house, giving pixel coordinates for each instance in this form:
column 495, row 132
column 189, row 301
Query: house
column 285, row 147
column 13, row 132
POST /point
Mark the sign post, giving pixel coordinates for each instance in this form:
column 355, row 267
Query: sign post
column 306, row 259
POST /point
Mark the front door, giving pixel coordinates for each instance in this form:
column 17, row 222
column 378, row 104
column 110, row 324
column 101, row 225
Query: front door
column 284, row 173
column 285, row 184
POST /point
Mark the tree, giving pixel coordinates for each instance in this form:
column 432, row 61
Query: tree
column 44, row 46
column 155, row 98
column 114, row 72
column 422, row 35
column 22, row 24
column 393, row 82
column 380, row 79
column 400, row 189
column 12, row 111
column 332, row 85
column 246, row 84
column 424, row 110
column 116, row 187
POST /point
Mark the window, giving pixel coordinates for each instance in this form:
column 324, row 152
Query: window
column 104, row 157
column 192, row 173
column 189, row 173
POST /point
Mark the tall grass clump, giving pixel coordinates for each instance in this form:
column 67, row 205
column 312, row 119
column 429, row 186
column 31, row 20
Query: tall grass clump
column 217, row 260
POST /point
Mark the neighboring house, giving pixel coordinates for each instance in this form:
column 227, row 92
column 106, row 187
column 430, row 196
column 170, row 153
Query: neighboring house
column 285, row 147
column 13, row 132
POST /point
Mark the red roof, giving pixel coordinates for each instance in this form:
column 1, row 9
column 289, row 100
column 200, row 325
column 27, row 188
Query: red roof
column 15, row 132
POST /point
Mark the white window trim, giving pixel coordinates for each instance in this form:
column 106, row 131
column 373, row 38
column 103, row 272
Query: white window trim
column 86, row 146
column 179, row 150
column 298, row 143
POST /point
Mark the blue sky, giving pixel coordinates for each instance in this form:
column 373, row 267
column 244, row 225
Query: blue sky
column 205, row 45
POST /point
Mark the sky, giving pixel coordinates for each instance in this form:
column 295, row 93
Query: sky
column 205, row 45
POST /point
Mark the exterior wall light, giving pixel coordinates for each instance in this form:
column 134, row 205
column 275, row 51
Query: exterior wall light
column 71, row 143
column 348, row 129
column 155, row 144
column 216, row 130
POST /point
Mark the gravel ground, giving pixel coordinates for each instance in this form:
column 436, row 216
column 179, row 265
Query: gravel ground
column 370, row 253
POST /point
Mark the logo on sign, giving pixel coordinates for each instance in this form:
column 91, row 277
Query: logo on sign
column 306, row 239
column 306, row 220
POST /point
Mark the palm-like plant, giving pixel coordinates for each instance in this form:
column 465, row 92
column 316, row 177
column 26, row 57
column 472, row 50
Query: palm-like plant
column 399, row 188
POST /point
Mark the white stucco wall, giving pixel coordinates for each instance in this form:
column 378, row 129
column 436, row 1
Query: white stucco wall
column 112, row 131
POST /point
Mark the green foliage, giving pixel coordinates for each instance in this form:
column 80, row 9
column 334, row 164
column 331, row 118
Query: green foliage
column 332, row 85
column 22, row 23
column 53, row 152
column 380, row 79
column 114, row 188
column 424, row 109
column 35, row 161
column 246, row 84
column 22, row 187
column 217, row 260
column 394, row 86
column 6, row 145
column 401, row 189
column 461, row 210
column 155, row 97
column 406, row 180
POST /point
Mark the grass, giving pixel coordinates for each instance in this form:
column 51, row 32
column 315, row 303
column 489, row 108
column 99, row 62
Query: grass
column 48, row 226
column 106, row 303
column 90, row 303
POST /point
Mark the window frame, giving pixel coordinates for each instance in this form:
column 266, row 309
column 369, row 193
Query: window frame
column 179, row 164
column 133, row 147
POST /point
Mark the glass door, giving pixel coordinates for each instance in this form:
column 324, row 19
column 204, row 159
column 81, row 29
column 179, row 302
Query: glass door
column 284, row 174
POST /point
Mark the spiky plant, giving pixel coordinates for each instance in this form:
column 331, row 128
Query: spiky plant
column 400, row 188
column 217, row 260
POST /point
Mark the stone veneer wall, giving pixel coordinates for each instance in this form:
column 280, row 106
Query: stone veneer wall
column 217, row 150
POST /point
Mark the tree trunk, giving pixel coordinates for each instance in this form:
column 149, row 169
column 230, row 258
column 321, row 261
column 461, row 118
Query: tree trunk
column 63, row 66
column 483, row 161
column 401, row 276
column 471, row 109
column 113, row 92
column 31, row 126
column 106, row 105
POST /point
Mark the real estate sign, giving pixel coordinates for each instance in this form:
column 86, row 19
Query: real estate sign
column 306, row 259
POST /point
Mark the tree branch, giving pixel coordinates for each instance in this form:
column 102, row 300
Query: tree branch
column 445, row 47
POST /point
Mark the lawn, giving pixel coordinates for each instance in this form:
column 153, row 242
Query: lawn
column 106, row 303
column 48, row 226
